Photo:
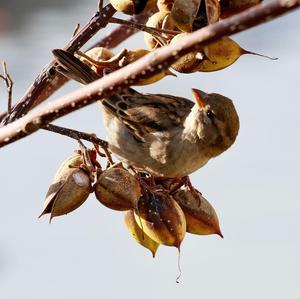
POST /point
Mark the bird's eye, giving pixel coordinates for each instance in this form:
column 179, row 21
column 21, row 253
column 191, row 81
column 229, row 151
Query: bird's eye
column 210, row 114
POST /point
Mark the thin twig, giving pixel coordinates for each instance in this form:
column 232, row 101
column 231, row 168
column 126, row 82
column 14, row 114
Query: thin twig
column 76, row 134
column 100, row 5
column 77, row 27
column 80, row 136
column 146, row 66
column 9, row 86
column 151, row 30
column 122, row 32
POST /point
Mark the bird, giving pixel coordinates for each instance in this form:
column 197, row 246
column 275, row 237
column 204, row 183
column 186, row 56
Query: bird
column 164, row 135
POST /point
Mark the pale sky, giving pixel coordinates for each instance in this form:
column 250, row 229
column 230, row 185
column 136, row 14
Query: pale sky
column 254, row 186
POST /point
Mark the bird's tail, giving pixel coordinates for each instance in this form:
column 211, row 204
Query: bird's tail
column 73, row 68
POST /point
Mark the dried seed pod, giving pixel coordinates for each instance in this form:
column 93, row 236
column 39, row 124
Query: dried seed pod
column 74, row 161
column 160, row 20
column 161, row 218
column 222, row 54
column 70, row 188
column 188, row 63
column 98, row 54
column 184, row 13
column 213, row 11
column 117, row 189
column 130, row 7
column 165, row 5
column 232, row 7
column 95, row 55
column 134, row 55
column 201, row 218
column 138, row 234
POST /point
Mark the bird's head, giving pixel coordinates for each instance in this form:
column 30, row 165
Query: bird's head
column 218, row 121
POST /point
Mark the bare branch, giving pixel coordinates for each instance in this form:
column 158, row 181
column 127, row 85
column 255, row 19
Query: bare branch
column 147, row 65
column 142, row 27
column 76, row 29
column 100, row 5
column 9, row 86
column 76, row 134
column 81, row 136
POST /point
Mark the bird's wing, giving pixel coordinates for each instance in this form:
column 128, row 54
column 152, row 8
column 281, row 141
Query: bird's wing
column 142, row 114
column 148, row 113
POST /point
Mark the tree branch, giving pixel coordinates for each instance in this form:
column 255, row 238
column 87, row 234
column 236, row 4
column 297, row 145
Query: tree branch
column 81, row 135
column 147, row 65
column 41, row 91
column 76, row 134
column 48, row 81
column 9, row 86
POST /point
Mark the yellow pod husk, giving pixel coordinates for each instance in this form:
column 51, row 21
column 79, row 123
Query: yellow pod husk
column 201, row 218
column 161, row 218
column 134, row 55
column 98, row 54
column 117, row 189
column 188, row 63
column 160, row 20
column 184, row 13
column 138, row 234
column 222, row 54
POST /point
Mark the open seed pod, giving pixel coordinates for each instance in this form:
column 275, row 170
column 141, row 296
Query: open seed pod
column 117, row 189
column 160, row 20
column 232, row 7
column 138, row 234
column 222, row 54
column 201, row 218
column 213, row 11
column 165, row 5
column 134, row 55
column 161, row 218
column 188, row 63
column 70, row 188
column 130, row 7
column 98, row 54
column 184, row 13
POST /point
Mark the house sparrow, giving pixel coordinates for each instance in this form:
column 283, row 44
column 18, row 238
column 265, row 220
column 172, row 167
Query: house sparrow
column 165, row 135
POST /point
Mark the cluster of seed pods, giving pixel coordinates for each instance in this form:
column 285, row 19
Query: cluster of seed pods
column 176, row 18
column 156, row 215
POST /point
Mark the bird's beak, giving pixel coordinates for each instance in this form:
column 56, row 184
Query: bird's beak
column 199, row 97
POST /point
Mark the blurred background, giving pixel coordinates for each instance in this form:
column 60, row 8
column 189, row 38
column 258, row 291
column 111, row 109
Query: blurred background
column 254, row 186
